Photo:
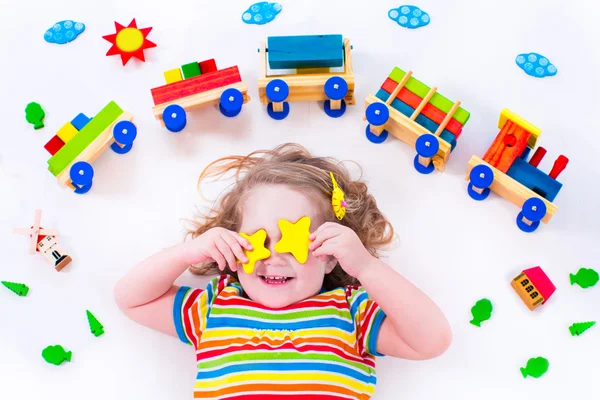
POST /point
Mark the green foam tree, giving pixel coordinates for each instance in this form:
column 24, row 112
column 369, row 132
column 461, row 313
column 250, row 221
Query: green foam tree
column 95, row 326
column 579, row 327
column 20, row 289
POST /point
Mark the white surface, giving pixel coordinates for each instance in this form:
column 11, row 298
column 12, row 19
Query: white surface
column 455, row 249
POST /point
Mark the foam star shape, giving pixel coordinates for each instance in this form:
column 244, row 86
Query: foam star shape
column 258, row 252
column 294, row 238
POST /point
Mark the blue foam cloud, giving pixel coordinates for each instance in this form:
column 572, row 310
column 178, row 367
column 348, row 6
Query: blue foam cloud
column 536, row 65
column 64, row 32
column 261, row 13
column 411, row 17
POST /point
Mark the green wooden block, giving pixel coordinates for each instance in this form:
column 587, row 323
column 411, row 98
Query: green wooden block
column 89, row 133
column 437, row 100
column 190, row 70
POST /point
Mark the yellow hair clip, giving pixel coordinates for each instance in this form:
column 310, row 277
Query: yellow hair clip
column 337, row 200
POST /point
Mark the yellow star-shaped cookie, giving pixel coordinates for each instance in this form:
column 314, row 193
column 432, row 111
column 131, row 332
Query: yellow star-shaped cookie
column 258, row 252
column 294, row 238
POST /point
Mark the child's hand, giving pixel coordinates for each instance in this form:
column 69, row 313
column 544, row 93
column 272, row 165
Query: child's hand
column 221, row 245
column 342, row 243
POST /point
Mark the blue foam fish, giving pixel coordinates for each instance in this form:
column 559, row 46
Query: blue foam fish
column 411, row 17
column 64, row 32
column 536, row 65
column 261, row 13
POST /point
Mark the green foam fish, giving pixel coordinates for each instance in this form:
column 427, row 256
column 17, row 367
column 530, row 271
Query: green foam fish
column 34, row 114
column 535, row 367
column 585, row 277
column 481, row 311
column 56, row 354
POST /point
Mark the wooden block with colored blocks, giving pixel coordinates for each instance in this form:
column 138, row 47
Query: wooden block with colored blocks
column 434, row 114
column 310, row 51
column 437, row 100
column 67, row 132
column 198, row 84
column 173, row 75
column 104, row 119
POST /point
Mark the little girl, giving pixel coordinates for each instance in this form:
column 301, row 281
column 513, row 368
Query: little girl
column 292, row 327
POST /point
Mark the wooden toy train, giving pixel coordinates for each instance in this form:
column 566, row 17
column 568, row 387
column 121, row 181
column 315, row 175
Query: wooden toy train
column 504, row 169
column 201, row 84
column 305, row 68
column 80, row 142
column 419, row 116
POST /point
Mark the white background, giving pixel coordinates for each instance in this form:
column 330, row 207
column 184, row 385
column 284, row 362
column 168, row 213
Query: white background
column 455, row 249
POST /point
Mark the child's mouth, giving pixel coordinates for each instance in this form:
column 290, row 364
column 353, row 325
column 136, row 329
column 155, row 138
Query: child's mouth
column 275, row 280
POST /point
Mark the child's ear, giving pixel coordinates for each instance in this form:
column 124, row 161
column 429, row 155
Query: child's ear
column 330, row 265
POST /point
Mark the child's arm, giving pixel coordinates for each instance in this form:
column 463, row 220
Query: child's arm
column 414, row 328
column 146, row 293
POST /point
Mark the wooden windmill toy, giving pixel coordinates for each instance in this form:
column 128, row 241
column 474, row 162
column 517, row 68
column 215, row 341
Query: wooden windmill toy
column 45, row 241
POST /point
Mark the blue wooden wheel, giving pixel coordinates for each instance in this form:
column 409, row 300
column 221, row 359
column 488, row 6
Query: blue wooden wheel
column 334, row 113
column 175, row 118
column 277, row 90
column 336, row 88
column 481, row 177
column 427, row 146
column 280, row 114
column 124, row 133
column 377, row 113
column 231, row 102
column 374, row 138
column 534, row 209
column 82, row 175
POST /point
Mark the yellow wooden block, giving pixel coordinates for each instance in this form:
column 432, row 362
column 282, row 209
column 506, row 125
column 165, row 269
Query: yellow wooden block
column 258, row 252
column 294, row 238
column 506, row 114
column 67, row 132
column 173, row 75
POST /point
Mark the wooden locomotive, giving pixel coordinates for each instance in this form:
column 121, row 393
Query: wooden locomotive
column 419, row 116
column 306, row 68
column 80, row 142
column 504, row 169
column 201, row 84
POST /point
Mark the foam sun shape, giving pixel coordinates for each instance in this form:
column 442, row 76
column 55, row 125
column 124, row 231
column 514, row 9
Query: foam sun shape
column 258, row 252
column 294, row 238
column 129, row 42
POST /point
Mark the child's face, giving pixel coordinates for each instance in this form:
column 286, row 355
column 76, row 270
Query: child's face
column 263, row 208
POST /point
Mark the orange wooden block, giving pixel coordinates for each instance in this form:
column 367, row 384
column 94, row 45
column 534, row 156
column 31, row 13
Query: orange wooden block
column 508, row 145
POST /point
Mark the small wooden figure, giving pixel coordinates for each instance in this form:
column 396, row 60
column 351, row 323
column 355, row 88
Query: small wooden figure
column 533, row 286
column 504, row 170
column 80, row 142
column 419, row 116
column 306, row 68
column 195, row 85
column 45, row 241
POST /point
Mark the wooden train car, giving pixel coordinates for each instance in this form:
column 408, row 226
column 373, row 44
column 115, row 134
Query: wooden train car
column 504, row 169
column 419, row 116
column 306, row 68
column 80, row 142
column 195, row 85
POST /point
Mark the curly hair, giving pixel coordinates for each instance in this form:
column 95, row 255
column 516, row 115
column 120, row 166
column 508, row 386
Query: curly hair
column 293, row 165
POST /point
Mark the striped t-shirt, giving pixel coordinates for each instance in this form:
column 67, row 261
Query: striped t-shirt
column 323, row 347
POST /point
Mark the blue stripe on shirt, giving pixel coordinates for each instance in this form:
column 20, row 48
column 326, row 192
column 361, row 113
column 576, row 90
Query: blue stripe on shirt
column 372, row 345
column 292, row 366
column 177, row 310
column 219, row 322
